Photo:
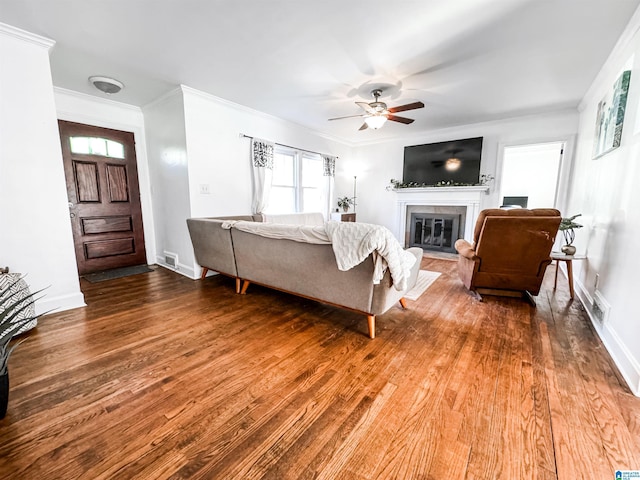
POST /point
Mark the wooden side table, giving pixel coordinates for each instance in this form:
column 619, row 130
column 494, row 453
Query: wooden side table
column 343, row 217
column 568, row 259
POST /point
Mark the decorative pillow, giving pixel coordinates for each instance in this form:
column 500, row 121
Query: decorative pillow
column 5, row 280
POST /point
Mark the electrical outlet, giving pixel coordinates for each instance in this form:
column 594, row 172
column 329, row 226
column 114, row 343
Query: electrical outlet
column 600, row 308
column 204, row 189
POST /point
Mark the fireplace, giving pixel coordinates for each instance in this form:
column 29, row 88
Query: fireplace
column 434, row 231
column 440, row 203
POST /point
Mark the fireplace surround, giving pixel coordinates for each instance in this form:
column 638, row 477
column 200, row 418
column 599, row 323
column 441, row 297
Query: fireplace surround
column 463, row 201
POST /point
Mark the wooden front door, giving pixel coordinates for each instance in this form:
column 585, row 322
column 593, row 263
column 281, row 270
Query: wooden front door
column 104, row 197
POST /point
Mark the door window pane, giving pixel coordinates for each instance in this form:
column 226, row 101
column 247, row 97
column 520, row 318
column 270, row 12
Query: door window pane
column 115, row 149
column 96, row 146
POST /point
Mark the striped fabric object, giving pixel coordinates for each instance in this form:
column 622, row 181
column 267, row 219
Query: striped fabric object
column 5, row 280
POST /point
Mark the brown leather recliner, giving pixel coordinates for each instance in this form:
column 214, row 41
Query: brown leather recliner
column 510, row 252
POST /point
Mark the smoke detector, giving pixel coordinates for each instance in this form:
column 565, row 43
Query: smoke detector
column 106, row 84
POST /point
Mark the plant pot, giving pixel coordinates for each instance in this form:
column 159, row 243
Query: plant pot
column 4, row 394
column 345, row 209
column 568, row 249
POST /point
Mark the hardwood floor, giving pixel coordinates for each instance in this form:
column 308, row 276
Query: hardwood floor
column 165, row 377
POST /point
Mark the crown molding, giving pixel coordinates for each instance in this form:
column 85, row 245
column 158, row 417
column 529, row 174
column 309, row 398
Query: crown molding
column 92, row 98
column 29, row 37
column 171, row 93
column 480, row 125
column 268, row 116
column 613, row 60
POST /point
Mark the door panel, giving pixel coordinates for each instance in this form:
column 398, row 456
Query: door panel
column 104, row 197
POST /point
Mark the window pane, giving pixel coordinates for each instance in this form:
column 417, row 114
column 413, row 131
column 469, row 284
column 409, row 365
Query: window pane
column 312, row 172
column 115, row 149
column 282, row 200
column 312, row 200
column 80, row 144
column 98, row 146
column 283, row 169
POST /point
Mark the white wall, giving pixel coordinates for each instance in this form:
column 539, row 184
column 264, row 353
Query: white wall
column 220, row 158
column 36, row 234
column 375, row 164
column 81, row 108
column 606, row 191
column 168, row 168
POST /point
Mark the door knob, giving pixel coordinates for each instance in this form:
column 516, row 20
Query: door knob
column 72, row 215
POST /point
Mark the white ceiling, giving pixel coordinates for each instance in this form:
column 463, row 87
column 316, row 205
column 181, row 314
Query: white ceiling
column 309, row 60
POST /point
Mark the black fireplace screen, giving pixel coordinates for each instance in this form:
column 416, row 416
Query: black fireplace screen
column 434, row 231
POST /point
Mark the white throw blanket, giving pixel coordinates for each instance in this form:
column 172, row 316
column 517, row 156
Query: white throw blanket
column 352, row 243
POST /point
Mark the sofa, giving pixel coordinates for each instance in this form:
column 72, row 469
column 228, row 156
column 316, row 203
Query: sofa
column 305, row 269
column 510, row 253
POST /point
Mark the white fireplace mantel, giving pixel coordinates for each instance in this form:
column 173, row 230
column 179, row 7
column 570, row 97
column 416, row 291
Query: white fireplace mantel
column 469, row 197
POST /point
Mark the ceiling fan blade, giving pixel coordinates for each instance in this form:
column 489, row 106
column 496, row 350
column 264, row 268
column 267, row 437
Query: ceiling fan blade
column 408, row 106
column 364, row 126
column 367, row 108
column 348, row 116
column 404, row 120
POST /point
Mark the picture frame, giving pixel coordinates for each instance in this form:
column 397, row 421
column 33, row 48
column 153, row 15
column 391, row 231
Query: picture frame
column 610, row 117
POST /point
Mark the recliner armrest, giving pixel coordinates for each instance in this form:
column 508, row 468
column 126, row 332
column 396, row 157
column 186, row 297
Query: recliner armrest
column 465, row 249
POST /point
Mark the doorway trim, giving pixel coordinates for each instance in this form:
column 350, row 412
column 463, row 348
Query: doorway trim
column 563, row 188
column 73, row 107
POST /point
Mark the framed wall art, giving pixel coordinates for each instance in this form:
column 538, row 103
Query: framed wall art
column 610, row 116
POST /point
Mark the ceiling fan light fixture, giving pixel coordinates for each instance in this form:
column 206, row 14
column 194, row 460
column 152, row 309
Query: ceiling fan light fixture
column 106, row 84
column 375, row 121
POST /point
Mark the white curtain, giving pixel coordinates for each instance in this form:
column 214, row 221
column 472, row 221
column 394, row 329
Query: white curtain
column 262, row 166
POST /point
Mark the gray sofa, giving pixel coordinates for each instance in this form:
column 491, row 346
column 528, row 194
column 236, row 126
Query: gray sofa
column 304, row 269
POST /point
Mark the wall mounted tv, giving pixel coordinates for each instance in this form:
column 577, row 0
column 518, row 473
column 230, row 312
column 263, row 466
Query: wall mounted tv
column 454, row 162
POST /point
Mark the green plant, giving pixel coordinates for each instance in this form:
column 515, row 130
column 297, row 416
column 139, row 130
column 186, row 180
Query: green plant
column 345, row 202
column 13, row 304
column 568, row 227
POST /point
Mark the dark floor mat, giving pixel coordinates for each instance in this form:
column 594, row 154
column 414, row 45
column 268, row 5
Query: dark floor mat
column 116, row 273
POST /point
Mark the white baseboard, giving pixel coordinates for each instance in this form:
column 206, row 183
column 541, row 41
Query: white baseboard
column 60, row 303
column 180, row 268
column 624, row 360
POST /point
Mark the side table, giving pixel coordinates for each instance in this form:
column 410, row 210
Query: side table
column 568, row 259
column 343, row 217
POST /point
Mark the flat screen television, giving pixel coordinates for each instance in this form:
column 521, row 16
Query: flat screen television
column 454, row 162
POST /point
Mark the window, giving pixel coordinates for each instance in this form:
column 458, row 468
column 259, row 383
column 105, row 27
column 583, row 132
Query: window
column 97, row 146
column 299, row 184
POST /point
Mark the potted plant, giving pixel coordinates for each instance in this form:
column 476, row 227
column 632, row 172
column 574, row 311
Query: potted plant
column 17, row 314
column 568, row 227
column 345, row 203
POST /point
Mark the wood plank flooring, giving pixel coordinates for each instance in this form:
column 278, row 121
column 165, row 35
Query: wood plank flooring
column 165, row 377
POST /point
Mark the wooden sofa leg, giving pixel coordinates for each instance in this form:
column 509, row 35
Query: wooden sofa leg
column 238, row 283
column 403, row 303
column 204, row 273
column 371, row 321
column 245, row 285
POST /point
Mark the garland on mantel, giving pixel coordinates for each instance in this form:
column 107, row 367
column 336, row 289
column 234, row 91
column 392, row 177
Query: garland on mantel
column 485, row 180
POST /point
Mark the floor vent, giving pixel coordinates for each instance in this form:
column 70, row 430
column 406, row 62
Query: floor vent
column 600, row 308
column 171, row 260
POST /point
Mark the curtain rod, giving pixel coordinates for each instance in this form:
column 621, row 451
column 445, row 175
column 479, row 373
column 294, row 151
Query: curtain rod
column 242, row 135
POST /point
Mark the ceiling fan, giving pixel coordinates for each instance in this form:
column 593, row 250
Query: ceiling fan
column 376, row 113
